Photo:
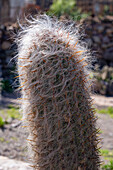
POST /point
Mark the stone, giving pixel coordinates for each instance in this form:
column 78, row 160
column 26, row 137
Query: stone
column 9, row 120
column 15, row 125
column 110, row 88
column 108, row 19
column 111, row 64
column 0, row 34
column 102, row 62
column 96, row 19
column 96, row 39
column 0, row 71
column 6, row 45
column 109, row 31
column 108, row 55
column 105, row 68
column 100, row 28
column 104, row 75
column 11, row 164
column 106, row 39
column 100, row 87
column 103, row 89
column 108, row 45
column 96, row 86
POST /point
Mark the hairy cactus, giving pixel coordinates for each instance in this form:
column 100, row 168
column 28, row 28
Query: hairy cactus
column 56, row 103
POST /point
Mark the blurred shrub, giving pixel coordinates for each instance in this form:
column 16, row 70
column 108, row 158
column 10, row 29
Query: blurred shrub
column 13, row 113
column 6, row 86
column 108, row 110
column 1, row 122
column 66, row 7
column 108, row 166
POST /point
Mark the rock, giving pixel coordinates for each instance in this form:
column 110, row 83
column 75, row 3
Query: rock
column 108, row 19
column 11, row 164
column 0, row 71
column 104, row 75
column 6, row 45
column 0, row 34
column 108, row 55
column 110, row 88
column 102, row 62
column 104, row 46
column 108, row 45
column 103, row 89
column 109, row 31
column 9, row 120
column 96, row 86
column 100, row 87
column 15, row 125
column 96, row 19
column 111, row 64
column 105, row 68
column 106, row 39
column 96, row 39
column 100, row 28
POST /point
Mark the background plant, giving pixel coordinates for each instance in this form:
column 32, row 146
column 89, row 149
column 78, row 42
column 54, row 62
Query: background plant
column 66, row 7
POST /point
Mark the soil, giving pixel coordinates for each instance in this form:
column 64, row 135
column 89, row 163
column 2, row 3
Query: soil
column 13, row 141
column 13, row 137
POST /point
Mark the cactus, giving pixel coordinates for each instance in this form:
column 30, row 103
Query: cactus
column 56, row 102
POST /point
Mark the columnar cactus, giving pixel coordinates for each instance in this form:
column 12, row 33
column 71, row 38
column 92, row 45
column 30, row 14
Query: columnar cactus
column 56, row 103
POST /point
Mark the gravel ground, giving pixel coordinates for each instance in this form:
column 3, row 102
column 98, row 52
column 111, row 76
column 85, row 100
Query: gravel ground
column 13, row 141
column 11, row 164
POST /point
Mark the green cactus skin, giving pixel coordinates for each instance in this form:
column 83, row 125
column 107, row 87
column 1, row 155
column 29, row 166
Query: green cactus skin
column 56, row 103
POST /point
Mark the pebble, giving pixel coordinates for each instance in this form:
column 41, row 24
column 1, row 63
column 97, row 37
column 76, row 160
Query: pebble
column 6, row 45
column 108, row 55
column 96, row 39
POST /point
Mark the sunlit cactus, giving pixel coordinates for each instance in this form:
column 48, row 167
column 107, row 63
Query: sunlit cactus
column 56, row 103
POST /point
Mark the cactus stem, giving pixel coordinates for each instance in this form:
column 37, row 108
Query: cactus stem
column 57, row 108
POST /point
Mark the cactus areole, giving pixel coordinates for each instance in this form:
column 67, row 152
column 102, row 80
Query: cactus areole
column 55, row 86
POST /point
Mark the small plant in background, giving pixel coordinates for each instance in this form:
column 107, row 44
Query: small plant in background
column 106, row 9
column 107, row 155
column 6, row 86
column 56, row 103
column 11, row 112
column 108, row 111
column 1, row 122
column 108, row 166
column 68, row 8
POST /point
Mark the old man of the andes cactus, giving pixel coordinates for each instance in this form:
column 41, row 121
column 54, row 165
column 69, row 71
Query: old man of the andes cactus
column 56, row 103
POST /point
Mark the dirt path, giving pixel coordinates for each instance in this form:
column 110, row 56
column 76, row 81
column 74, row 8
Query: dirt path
column 102, row 101
column 105, row 123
